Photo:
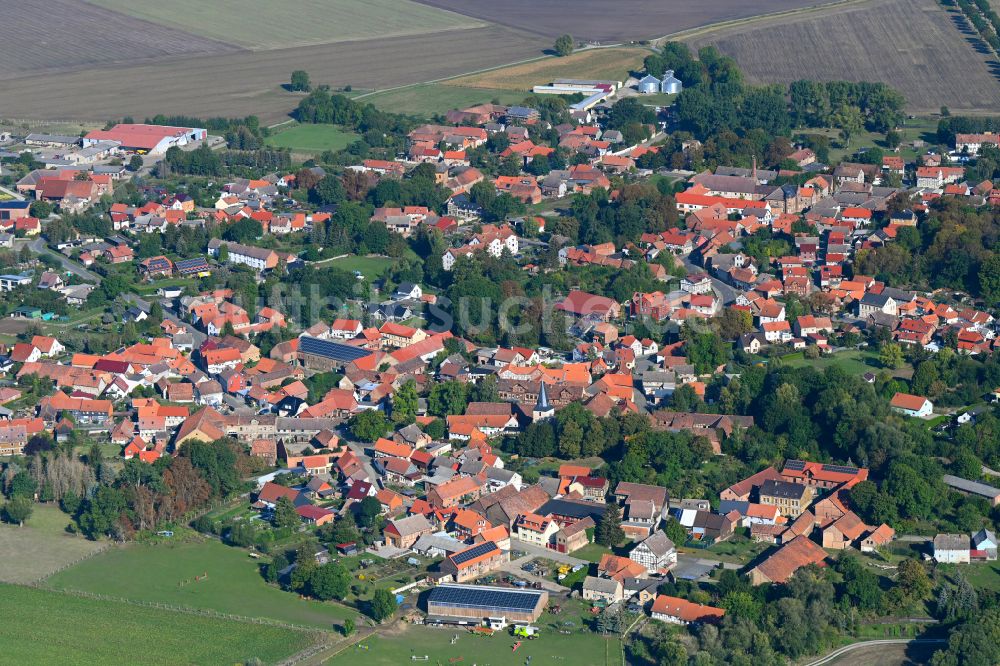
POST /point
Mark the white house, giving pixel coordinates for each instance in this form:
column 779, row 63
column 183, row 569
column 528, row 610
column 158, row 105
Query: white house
column 953, row 548
column 657, row 553
column 912, row 405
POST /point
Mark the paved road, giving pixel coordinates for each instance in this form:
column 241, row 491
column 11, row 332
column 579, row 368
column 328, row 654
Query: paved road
column 37, row 245
column 359, row 450
column 888, row 641
column 725, row 292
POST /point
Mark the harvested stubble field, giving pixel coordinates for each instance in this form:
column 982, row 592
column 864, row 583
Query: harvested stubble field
column 263, row 24
column 44, row 35
column 613, row 63
column 43, row 627
column 430, row 98
column 249, row 82
column 599, row 20
column 912, row 45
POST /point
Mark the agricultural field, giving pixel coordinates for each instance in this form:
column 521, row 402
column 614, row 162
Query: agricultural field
column 591, row 20
column 311, row 138
column 40, row 35
column 912, row 45
column 259, row 24
column 250, row 82
column 44, row 627
column 430, row 98
column 166, row 573
column 614, row 64
column 578, row 646
column 41, row 547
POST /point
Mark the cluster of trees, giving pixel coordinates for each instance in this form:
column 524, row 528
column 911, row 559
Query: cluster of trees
column 107, row 502
column 322, row 106
column 767, row 625
column 202, row 161
column 983, row 18
column 573, row 433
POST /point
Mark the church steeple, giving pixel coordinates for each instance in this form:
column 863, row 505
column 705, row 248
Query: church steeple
column 543, row 409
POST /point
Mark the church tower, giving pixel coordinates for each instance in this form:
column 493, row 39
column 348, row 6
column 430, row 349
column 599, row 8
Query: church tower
column 543, row 409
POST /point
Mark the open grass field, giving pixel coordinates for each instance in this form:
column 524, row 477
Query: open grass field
column 312, row 138
column 370, row 267
column 595, row 20
column 887, row 655
column 259, row 24
column 43, row 627
column 41, row 547
column 578, row 647
column 37, row 35
column 250, row 82
column 157, row 573
column 430, row 98
column 913, row 45
column 853, row 361
column 614, row 64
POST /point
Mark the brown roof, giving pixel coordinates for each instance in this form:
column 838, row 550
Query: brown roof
column 685, row 610
column 788, row 559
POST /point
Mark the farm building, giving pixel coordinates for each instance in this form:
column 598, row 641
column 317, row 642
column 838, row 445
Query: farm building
column 320, row 355
column 670, row 84
column 152, row 139
column 471, row 604
column 648, row 84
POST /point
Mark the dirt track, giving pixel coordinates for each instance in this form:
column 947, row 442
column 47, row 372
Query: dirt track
column 249, row 83
column 600, row 20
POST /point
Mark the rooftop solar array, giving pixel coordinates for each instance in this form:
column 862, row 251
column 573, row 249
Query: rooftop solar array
column 840, row 469
column 795, row 465
column 474, row 552
column 195, row 265
column 478, row 596
column 332, row 350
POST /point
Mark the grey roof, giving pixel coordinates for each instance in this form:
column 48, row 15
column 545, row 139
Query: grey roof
column 659, row 543
column 411, row 525
column 974, row 487
column 492, row 600
column 773, row 488
column 602, row 585
column 332, row 350
column 951, row 542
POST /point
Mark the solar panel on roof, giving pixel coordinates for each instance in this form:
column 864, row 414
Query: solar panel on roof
column 795, row 465
column 840, row 469
column 330, row 349
column 474, row 552
column 474, row 596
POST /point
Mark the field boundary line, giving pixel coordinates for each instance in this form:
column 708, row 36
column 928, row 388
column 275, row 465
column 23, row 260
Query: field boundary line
column 721, row 25
column 79, row 560
column 525, row 61
column 885, row 641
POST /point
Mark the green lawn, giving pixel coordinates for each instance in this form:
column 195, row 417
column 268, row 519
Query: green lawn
column 592, row 552
column 657, row 99
column 166, row 573
column 428, row 99
column 370, row 267
column 312, row 138
column 853, row 361
column 258, row 24
column 41, row 547
column 45, row 627
column 982, row 575
column 577, row 648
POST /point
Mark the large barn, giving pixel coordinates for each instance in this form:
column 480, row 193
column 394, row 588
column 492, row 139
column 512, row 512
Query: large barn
column 471, row 604
column 146, row 139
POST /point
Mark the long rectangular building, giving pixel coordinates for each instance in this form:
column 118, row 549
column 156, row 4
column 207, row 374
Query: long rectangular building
column 471, row 604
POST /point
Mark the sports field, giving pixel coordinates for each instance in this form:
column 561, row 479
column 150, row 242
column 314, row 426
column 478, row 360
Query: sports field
column 166, row 573
column 44, row 627
column 41, row 547
column 430, row 98
column 312, row 138
column 613, row 64
column 260, row 24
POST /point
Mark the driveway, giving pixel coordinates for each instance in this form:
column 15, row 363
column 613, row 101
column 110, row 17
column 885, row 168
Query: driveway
column 534, row 551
